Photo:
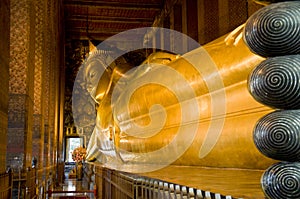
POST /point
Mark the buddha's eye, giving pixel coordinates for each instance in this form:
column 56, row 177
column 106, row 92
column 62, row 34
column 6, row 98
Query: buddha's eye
column 93, row 74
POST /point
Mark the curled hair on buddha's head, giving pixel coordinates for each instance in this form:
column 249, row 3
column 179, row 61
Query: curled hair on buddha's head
column 105, row 51
column 99, row 55
column 100, row 52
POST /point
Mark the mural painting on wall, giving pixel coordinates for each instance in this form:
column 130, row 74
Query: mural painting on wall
column 76, row 51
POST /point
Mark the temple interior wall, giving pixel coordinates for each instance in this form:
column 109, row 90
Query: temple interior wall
column 32, row 72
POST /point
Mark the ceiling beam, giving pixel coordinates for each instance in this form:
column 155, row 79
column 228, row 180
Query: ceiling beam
column 71, row 10
column 101, row 36
column 84, row 36
column 103, row 27
column 114, row 4
column 106, row 31
column 109, row 19
column 101, row 31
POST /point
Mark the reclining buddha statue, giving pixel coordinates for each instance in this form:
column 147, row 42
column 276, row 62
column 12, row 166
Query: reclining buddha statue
column 191, row 109
column 232, row 103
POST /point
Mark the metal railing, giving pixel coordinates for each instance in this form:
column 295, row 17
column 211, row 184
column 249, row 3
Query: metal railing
column 30, row 185
column 50, row 192
column 119, row 185
column 24, row 184
column 6, row 184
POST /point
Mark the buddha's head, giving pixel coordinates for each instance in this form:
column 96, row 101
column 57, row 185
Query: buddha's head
column 97, row 70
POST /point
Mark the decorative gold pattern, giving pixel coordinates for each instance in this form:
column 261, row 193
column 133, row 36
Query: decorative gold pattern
column 19, row 46
column 39, row 52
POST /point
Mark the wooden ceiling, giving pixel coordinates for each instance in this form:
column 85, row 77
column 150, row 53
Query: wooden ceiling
column 100, row 19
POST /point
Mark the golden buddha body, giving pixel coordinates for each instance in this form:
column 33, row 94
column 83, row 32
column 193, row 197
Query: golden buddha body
column 148, row 115
column 193, row 112
column 192, row 109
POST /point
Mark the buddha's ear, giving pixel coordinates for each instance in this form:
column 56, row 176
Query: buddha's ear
column 103, row 86
column 109, row 59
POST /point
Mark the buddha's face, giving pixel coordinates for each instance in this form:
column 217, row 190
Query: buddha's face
column 92, row 76
column 97, row 79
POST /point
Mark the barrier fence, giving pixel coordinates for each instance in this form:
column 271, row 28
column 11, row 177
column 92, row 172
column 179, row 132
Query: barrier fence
column 30, row 184
column 111, row 184
column 119, row 185
column 50, row 192
column 6, row 184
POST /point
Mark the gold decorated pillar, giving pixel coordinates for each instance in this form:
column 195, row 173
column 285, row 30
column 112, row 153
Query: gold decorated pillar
column 51, row 86
column 4, row 74
column 46, row 101
column 46, row 140
column 39, row 85
column 54, row 83
column 60, row 74
column 21, row 79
